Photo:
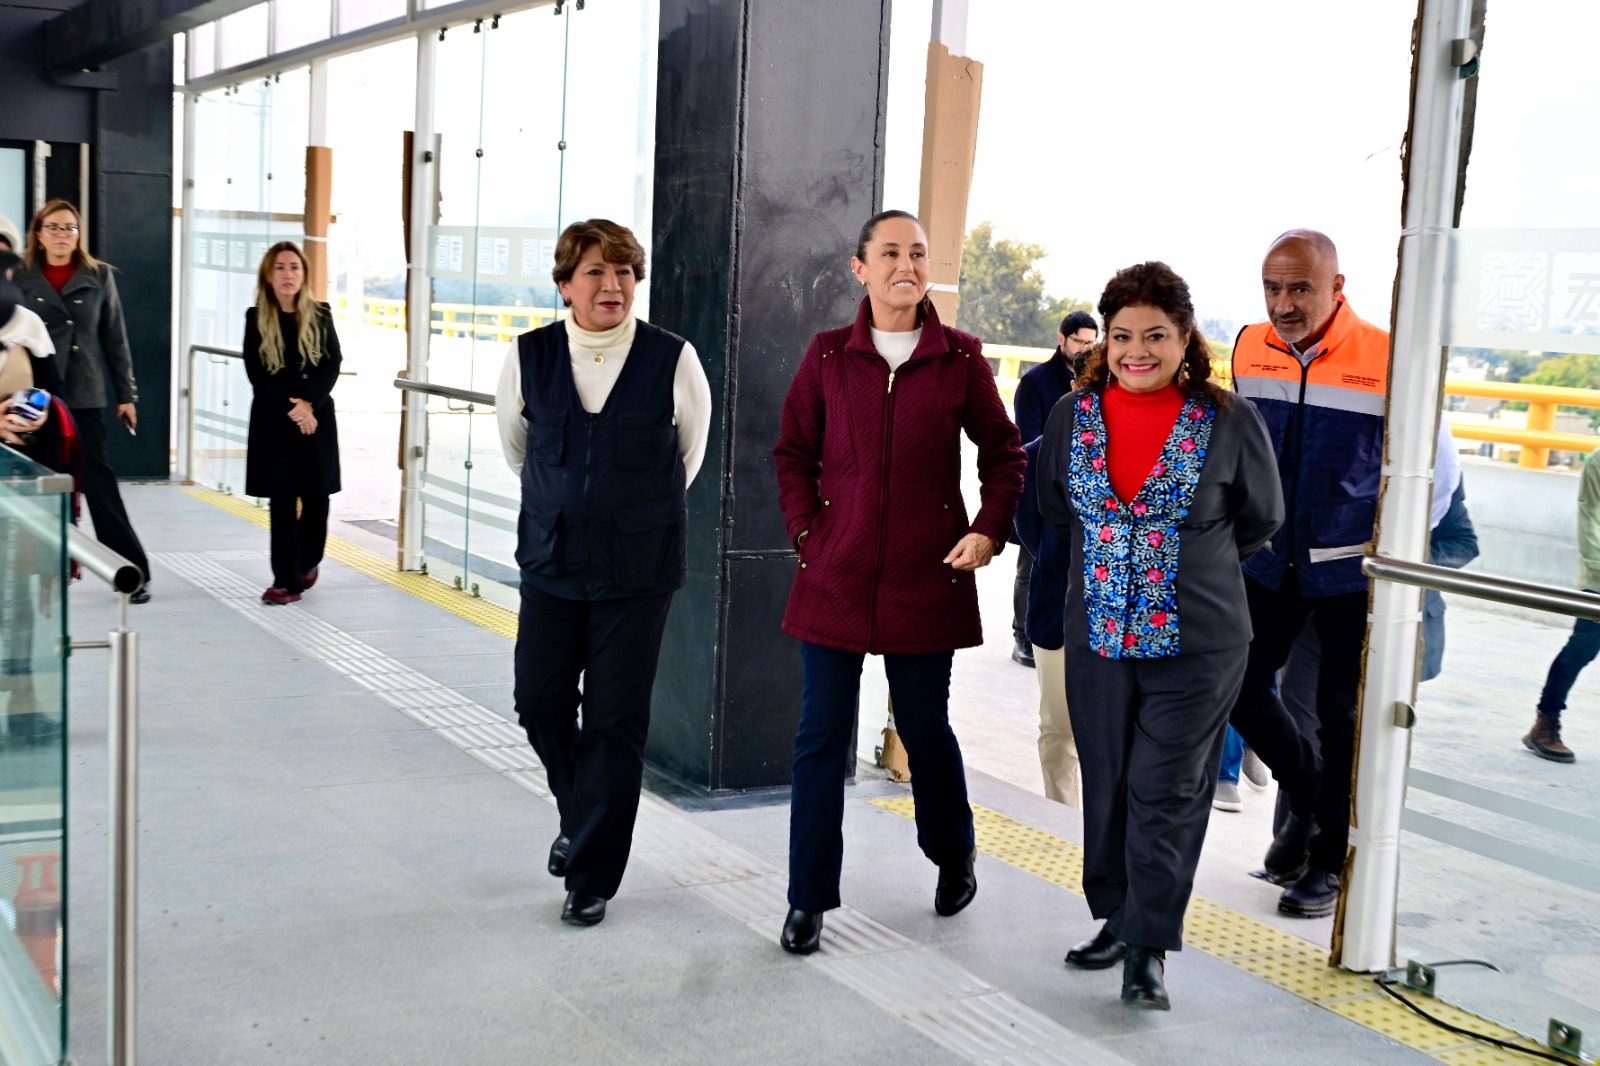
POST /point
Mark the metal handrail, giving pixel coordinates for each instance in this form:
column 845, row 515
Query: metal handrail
column 102, row 562
column 1493, row 587
column 209, row 350
column 449, row 392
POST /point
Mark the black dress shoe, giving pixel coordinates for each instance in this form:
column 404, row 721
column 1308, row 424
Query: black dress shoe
column 957, row 885
column 142, row 596
column 558, row 856
column 1313, row 895
column 583, row 909
column 802, row 932
column 1022, row 653
column 1144, row 984
column 1101, row 952
column 1287, row 854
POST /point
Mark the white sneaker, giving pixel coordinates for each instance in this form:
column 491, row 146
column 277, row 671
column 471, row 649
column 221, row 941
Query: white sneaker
column 1255, row 772
column 1226, row 797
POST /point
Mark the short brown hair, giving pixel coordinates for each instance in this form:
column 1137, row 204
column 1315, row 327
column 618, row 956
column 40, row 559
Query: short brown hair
column 617, row 245
column 1154, row 284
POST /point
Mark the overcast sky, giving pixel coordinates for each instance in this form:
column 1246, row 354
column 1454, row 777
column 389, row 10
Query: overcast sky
column 1195, row 133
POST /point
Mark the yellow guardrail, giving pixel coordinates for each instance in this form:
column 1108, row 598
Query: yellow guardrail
column 451, row 320
column 1012, row 361
column 1536, row 440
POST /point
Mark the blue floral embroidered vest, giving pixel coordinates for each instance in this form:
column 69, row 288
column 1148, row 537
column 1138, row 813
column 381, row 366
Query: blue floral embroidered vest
column 1130, row 550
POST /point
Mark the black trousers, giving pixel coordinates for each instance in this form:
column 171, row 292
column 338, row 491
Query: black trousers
column 1019, row 595
column 596, row 769
column 112, row 527
column 1149, row 735
column 1316, row 786
column 824, row 742
column 299, row 533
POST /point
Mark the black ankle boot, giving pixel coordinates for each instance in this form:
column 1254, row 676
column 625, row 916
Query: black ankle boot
column 802, row 931
column 1287, row 854
column 559, row 850
column 958, row 883
column 583, row 909
column 1144, row 984
column 1101, row 952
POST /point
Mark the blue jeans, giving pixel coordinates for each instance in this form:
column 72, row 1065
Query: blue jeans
column 919, row 685
column 1580, row 650
column 1232, row 756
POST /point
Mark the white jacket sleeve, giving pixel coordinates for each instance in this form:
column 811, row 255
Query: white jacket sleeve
column 508, row 412
column 691, row 410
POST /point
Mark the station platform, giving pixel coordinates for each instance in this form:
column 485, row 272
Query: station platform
column 342, row 849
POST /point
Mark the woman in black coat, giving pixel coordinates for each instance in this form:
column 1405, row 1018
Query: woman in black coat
column 292, row 357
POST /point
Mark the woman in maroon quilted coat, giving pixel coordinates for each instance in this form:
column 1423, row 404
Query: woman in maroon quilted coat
column 869, row 476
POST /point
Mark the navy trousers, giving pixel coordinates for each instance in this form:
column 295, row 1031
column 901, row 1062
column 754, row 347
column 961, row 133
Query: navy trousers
column 596, row 769
column 1319, row 786
column 299, row 525
column 1579, row 651
column 919, row 685
column 1148, row 733
column 112, row 526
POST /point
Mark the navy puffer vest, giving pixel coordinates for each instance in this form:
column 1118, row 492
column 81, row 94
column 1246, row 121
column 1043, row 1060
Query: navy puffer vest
column 603, row 507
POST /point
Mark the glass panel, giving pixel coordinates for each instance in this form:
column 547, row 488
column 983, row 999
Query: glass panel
column 300, row 22
column 249, row 192
column 1498, row 844
column 221, row 395
column 511, row 176
column 14, row 185
column 371, row 101
column 32, row 764
column 359, row 14
column 243, row 37
column 202, row 51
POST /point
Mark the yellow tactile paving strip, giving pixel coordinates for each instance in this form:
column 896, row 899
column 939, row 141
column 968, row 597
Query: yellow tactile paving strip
column 494, row 618
column 1279, row 958
column 1276, row 957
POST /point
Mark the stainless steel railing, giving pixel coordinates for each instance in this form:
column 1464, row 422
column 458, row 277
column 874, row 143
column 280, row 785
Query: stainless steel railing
column 1493, row 587
column 485, row 399
column 122, row 747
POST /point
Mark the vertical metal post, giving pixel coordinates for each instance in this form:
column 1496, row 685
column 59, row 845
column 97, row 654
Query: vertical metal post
column 122, row 747
column 1365, row 935
column 184, row 423
column 419, row 298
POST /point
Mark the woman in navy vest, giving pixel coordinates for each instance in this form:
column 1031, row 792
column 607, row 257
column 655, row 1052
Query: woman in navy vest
column 869, row 478
column 1160, row 483
column 604, row 418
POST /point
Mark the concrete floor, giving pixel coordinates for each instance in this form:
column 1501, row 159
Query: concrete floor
column 326, row 880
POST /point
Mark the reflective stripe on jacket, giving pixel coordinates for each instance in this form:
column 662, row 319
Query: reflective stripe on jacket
column 1326, row 423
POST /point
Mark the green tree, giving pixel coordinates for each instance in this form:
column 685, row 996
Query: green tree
column 1580, row 371
column 1002, row 291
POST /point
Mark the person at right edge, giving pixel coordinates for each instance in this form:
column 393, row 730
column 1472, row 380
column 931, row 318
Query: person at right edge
column 1544, row 739
column 1319, row 376
column 605, row 419
column 76, row 295
column 1159, row 482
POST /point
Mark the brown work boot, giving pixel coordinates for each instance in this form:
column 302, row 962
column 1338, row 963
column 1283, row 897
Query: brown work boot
column 1544, row 740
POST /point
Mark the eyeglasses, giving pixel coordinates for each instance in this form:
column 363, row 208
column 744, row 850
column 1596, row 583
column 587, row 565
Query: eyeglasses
column 51, row 227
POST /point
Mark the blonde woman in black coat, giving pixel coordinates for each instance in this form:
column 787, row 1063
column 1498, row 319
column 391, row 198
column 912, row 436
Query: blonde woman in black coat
column 292, row 357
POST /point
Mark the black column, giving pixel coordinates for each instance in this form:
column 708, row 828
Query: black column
column 769, row 156
column 132, row 229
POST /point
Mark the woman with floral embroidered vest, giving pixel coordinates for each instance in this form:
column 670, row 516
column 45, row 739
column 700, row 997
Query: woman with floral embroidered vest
column 1160, row 482
column 869, row 478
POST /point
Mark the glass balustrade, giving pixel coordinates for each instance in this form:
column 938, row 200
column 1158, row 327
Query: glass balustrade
column 1498, row 866
column 33, row 639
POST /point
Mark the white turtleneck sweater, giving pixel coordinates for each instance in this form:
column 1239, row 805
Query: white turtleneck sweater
column 597, row 359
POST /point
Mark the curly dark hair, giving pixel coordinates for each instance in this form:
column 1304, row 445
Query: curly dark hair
column 1157, row 285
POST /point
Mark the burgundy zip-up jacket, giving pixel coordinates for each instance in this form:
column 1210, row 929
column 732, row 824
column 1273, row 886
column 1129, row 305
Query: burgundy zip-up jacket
column 869, row 467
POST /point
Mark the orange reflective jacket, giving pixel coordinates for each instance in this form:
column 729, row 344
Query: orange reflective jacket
column 1326, row 421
